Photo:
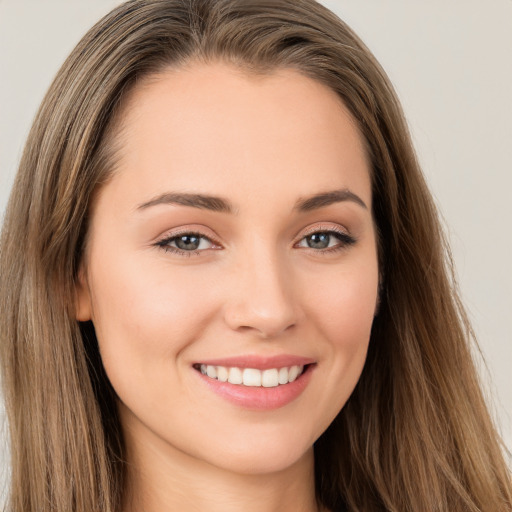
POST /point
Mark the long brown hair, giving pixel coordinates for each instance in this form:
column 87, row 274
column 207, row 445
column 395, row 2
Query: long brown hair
column 415, row 435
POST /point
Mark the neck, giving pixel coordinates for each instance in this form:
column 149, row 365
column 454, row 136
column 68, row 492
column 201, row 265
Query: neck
column 161, row 478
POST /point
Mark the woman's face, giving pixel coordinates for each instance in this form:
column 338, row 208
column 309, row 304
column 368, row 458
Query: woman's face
column 233, row 248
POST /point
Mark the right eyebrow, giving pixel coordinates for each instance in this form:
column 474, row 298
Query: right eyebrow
column 204, row 202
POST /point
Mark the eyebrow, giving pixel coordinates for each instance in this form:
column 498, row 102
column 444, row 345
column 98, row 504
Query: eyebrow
column 219, row 204
column 327, row 198
column 204, row 202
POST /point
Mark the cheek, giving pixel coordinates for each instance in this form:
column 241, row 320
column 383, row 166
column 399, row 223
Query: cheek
column 144, row 314
column 344, row 304
column 343, row 309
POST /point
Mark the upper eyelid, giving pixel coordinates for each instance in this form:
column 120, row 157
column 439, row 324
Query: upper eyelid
column 175, row 233
column 322, row 228
column 165, row 242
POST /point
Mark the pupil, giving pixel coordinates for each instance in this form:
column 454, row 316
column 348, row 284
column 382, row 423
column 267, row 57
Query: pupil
column 319, row 240
column 188, row 242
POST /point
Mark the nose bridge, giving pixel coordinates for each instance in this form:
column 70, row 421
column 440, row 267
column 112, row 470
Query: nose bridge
column 262, row 298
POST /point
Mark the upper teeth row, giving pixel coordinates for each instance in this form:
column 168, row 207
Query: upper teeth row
column 251, row 376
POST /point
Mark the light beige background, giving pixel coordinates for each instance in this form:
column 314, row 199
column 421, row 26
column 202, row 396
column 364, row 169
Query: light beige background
column 451, row 62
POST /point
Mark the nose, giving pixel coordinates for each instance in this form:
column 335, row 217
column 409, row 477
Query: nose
column 261, row 299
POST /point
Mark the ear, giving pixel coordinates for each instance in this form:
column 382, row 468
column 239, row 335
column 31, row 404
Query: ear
column 83, row 309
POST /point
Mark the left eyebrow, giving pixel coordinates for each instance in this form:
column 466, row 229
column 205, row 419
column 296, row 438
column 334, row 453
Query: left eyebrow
column 324, row 199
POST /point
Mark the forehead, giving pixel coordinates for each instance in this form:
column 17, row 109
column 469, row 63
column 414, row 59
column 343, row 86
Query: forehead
column 206, row 124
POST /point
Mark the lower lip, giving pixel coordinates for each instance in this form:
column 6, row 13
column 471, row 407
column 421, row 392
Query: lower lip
column 260, row 398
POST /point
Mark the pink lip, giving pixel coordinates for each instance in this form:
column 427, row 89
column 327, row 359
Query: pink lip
column 260, row 398
column 260, row 362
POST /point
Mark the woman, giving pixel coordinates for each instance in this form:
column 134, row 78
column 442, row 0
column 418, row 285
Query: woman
column 226, row 283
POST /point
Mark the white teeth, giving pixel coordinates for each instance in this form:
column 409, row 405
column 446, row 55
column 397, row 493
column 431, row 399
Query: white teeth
column 270, row 378
column 222, row 373
column 283, row 376
column 293, row 373
column 211, row 371
column 235, row 376
column 253, row 377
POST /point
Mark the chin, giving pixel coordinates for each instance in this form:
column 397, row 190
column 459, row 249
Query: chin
column 265, row 463
column 263, row 453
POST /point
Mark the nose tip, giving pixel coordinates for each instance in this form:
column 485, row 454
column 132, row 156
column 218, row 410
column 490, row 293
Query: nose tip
column 268, row 324
column 262, row 303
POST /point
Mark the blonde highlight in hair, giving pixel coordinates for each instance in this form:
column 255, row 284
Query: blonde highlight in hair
column 415, row 435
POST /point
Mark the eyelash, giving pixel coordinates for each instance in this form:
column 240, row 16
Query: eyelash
column 164, row 243
column 345, row 241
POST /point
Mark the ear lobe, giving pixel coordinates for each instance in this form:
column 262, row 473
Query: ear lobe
column 83, row 309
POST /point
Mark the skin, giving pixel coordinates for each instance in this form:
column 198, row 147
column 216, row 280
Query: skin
column 254, row 287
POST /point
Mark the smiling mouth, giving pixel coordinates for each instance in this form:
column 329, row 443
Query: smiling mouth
column 253, row 377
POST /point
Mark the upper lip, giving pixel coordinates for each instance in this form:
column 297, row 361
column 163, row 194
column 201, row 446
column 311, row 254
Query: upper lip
column 259, row 362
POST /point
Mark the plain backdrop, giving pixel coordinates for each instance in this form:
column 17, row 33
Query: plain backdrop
column 451, row 63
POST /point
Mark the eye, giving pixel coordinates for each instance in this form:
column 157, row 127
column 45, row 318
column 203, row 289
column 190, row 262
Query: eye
column 321, row 240
column 186, row 243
